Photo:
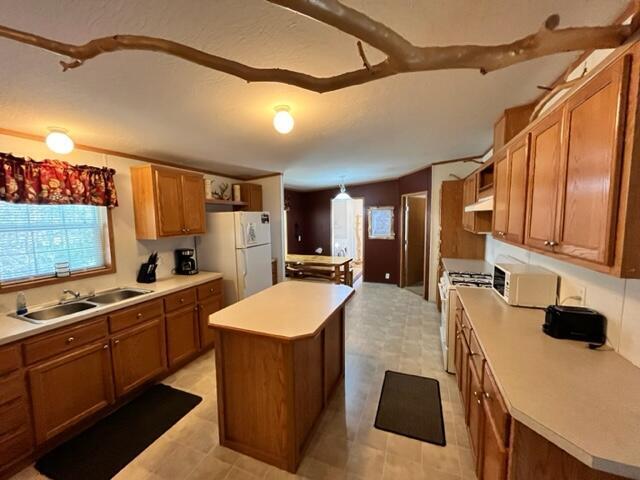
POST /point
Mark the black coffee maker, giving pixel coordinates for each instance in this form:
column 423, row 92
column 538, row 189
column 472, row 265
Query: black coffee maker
column 185, row 263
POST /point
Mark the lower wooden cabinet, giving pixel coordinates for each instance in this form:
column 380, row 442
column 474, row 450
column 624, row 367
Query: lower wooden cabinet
column 182, row 335
column 206, row 308
column 492, row 464
column 476, row 414
column 70, row 388
column 139, row 355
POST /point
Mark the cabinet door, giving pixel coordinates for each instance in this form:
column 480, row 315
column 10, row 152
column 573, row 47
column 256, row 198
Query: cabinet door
column 169, row 201
column 544, row 171
column 70, row 388
column 458, row 355
column 193, row 203
column 476, row 414
column 205, row 309
column 139, row 355
column 501, row 197
column 464, row 375
column 518, row 163
column 493, row 463
column 469, row 197
column 182, row 335
column 594, row 126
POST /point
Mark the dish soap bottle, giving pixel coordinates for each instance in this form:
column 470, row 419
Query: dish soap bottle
column 21, row 304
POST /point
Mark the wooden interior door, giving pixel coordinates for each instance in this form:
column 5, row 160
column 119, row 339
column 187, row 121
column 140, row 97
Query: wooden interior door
column 544, row 172
column 70, row 388
column 206, row 308
column 182, row 335
column 139, row 355
column 415, row 239
column 593, row 138
column 193, row 199
column 518, row 173
column 169, row 202
column 501, row 196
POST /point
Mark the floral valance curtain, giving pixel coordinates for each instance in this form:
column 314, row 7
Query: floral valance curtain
column 23, row 180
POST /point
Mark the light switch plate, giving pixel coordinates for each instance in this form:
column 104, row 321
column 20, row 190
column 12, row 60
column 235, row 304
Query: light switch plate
column 387, row 276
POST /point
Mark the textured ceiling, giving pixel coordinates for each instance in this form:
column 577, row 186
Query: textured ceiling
column 158, row 106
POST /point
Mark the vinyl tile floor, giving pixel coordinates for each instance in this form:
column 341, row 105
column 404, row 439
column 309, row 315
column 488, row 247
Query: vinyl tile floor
column 388, row 328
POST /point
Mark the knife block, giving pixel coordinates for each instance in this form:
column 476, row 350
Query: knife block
column 147, row 273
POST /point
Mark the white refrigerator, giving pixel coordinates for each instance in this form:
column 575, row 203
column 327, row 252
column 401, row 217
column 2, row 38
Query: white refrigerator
column 238, row 245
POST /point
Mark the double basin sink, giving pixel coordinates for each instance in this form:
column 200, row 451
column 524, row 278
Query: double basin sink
column 56, row 312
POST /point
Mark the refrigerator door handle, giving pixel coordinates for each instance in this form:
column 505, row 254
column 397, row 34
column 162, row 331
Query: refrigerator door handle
column 246, row 261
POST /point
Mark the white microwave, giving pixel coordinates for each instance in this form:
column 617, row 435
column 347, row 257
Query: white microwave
column 525, row 285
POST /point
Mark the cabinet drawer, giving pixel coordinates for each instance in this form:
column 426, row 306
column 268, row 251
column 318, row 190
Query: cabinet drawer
column 180, row 299
column 496, row 406
column 15, row 446
column 137, row 314
column 12, row 415
column 475, row 353
column 10, row 359
column 11, row 387
column 63, row 340
column 210, row 289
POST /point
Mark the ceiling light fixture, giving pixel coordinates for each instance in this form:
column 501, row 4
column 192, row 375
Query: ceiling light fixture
column 59, row 141
column 343, row 195
column 283, row 121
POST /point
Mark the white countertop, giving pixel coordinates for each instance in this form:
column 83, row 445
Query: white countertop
column 12, row 329
column 289, row 310
column 466, row 265
column 587, row 402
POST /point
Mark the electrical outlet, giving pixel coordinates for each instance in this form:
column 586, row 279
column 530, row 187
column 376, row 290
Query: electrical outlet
column 387, row 276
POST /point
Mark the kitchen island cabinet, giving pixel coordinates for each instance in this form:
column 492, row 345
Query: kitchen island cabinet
column 279, row 357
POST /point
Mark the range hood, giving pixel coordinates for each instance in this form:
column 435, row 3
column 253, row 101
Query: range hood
column 482, row 205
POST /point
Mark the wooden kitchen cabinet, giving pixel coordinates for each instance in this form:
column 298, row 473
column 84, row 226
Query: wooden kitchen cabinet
column 544, row 172
column 590, row 172
column 251, row 193
column 469, row 197
column 70, row 388
column 492, row 464
column 182, row 335
column 206, row 308
column 501, row 196
column 167, row 202
column 510, row 124
column 476, row 414
column 139, row 355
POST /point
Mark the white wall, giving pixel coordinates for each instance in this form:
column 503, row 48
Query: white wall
column 129, row 252
column 440, row 173
column 273, row 202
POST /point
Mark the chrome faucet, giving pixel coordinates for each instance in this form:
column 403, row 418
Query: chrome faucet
column 76, row 295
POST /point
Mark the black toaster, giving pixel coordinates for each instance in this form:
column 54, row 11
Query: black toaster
column 576, row 323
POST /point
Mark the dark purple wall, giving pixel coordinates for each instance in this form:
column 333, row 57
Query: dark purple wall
column 311, row 211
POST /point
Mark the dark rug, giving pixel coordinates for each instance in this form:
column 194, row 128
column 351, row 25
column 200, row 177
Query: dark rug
column 410, row 405
column 108, row 446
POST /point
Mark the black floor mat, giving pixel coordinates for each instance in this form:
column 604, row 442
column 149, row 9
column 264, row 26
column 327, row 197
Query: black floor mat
column 410, row 405
column 108, row 446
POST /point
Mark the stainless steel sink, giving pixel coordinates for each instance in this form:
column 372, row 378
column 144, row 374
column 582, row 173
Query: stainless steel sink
column 117, row 295
column 57, row 311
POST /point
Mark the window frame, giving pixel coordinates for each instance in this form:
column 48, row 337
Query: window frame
column 109, row 268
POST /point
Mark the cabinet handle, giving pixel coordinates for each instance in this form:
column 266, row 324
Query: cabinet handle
column 116, row 342
column 139, row 315
column 106, row 347
column 70, row 339
column 473, row 354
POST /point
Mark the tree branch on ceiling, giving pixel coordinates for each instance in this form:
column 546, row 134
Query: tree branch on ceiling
column 402, row 55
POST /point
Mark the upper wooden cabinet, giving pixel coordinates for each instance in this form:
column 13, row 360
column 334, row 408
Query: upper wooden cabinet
column 469, row 195
column 252, row 194
column 511, row 192
column 512, row 122
column 167, row 202
column 592, row 154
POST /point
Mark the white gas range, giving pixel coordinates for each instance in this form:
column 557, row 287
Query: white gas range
column 447, row 286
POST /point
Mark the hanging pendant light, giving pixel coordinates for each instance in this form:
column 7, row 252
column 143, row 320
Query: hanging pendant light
column 343, row 195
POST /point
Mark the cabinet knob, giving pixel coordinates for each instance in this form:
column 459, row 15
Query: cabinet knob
column 116, row 342
column 106, row 347
column 195, row 309
column 70, row 339
column 547, row 243
column 473, row 354
column 552, row 243
column 139, row 315
column 182, row 300
column 211, row 290
column 486, row 395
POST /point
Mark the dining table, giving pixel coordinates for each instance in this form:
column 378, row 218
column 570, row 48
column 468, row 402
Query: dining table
column 337, row 269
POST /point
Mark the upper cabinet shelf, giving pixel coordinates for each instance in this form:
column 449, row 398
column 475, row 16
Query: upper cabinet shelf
column 167, row 202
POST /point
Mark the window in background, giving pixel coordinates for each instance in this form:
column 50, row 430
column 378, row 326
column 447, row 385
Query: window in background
column 33, row 238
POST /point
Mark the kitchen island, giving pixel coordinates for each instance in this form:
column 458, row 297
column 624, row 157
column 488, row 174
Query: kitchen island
column 279, row 357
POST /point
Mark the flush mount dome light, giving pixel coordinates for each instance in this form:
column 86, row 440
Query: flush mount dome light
column 282, row 120
column 59, row 141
